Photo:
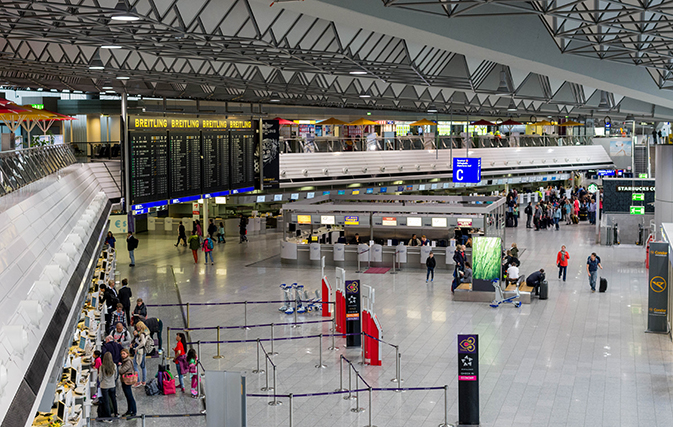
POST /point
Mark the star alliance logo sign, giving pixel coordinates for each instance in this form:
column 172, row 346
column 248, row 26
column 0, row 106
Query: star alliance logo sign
column 467, row 361
column 352, row 299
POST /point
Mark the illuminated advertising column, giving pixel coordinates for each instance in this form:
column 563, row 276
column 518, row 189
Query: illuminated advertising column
column 468, row 379
column 353, row 316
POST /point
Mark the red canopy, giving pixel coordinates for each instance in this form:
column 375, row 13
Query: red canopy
column 483, row 122
column 284, row 122
column 510, row 122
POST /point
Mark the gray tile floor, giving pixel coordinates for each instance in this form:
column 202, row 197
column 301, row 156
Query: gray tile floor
column 576, row 359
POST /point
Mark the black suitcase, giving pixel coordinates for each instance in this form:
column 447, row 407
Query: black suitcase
column 544, row 290
column 509, row 221
column 603, row 285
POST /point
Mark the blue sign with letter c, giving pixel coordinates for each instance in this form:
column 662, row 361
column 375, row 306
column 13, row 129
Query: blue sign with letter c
column 467, row 169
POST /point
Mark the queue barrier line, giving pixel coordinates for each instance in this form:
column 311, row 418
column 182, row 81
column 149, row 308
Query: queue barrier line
column 361, row 390
column 269, row 339
column 380, row 340
column 212, row 328
column 138, row 417
column 194, row 304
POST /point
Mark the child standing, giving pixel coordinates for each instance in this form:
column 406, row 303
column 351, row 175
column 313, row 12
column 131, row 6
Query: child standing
column 179, row 351
column 220, row 234
column 192, row 360
column 97, row 361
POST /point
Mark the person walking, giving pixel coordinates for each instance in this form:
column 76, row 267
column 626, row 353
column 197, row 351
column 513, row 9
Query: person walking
column 127, row 368
column 125, row 295
column 557, row 216
column 110, row 240
column 131, row 245
column 181, row 235
column 568, row 212
column 537, row 217
column 459, row 260
column 593, row 264
column 207, row 248
column 562, row 262
column 221, row 234
column 194, row 245
column 430, row 263
column 592, row 211
column 243, row 229
column 107, row 373
column 212, row 228
column 529, row 214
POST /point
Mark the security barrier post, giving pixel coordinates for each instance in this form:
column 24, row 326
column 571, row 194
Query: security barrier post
column 258, row 371
column 357, row 395
column 198, row 355
column 219, row 356
column 341, row 374
column 320, row 365
column 168, row 341
column 446, row 407
column 245, row 315
column 143, row 420
column 188, row 316
column 350, row 396
column 291, row 398
column 370, row 408
column 273, row 353
column 397, row 378
column 266, row 373
column 275, row 401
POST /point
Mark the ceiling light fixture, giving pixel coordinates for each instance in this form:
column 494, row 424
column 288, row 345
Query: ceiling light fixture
column 110, row 46
column 122, row 12
column 365, row 95
column 358, row 72
column 107, row 88
column 96, row 63
column 503, row 86
column 604, row 105
column 123, row 78
column 432, row 109
column 274, row 97
column 512, row 105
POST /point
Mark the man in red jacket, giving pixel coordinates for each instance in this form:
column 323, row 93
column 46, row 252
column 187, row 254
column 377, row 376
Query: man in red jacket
column 562, row 262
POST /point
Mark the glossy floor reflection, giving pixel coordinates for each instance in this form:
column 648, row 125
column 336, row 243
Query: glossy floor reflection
column 576, row 359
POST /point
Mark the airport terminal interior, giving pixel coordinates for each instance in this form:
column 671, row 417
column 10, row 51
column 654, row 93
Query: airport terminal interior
column 338, row 212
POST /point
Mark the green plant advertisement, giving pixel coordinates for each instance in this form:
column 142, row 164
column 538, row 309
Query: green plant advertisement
column 486, row 258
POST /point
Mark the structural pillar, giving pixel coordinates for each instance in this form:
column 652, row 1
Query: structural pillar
column 126, row 149
column 663, row 196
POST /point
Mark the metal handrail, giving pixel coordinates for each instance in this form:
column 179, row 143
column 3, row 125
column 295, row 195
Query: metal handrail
column 326, row 144
column 19, row 168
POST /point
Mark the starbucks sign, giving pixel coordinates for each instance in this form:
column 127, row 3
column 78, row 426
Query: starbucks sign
column 592, row 188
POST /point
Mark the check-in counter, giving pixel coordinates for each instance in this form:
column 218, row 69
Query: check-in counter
column 342, row 255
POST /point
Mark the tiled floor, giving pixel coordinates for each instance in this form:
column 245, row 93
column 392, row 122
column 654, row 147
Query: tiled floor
column 575, row 359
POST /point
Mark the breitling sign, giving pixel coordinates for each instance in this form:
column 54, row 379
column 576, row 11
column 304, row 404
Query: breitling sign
column 657, row 313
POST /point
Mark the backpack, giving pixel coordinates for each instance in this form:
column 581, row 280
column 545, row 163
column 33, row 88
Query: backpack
column 149, row 345
column 151, row 388
column 209, row 243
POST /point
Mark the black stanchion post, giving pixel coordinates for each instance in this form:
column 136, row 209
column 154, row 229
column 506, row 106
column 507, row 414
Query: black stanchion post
column 468, row 379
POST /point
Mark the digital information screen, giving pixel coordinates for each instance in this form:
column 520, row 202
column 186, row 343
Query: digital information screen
column 414, row 221
column 149, row 167
column 176, row 157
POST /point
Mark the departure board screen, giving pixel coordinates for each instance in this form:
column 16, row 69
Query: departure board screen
column 149, row 166
column 215, row 161
column 185, row 162
column 180, row 156
column 242, row 159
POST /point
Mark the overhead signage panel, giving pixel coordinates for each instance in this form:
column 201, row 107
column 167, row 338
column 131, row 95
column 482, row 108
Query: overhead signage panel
column 352, row 220
column 466, row 169
column 389, row 220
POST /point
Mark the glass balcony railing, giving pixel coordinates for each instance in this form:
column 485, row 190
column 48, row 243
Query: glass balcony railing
column 327, row 144
column 21, row 167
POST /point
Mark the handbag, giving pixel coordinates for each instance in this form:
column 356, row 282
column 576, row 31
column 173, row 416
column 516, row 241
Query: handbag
column 168, row 383
column 130, row 379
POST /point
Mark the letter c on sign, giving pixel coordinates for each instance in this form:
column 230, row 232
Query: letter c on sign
column 459, row 175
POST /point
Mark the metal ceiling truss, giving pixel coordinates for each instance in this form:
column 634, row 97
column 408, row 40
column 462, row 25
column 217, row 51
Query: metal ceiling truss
column 237, row 50
column 636, row 32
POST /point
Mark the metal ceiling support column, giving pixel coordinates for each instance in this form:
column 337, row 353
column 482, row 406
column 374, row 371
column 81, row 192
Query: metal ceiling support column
column 126, row 148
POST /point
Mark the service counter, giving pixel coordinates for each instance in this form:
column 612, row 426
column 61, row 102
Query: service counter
column 342, row 255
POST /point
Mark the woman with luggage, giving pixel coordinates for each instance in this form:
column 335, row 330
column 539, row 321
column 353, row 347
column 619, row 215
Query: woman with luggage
column 141, row 335
column 126, row 369
column 107, row 373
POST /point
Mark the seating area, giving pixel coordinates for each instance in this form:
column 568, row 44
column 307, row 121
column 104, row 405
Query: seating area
column 464, row 292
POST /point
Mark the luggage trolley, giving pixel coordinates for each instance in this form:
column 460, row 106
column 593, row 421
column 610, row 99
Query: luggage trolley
column 500, row 295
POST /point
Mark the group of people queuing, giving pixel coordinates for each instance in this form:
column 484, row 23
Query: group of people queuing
column 123, row 354
column 548, row 214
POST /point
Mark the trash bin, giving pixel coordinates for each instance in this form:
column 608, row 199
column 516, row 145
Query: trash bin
column 544, row 290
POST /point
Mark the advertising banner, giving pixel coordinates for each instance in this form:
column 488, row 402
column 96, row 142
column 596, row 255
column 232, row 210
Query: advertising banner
column 486, row 262
column 657, row 312
column 270, row 153
column 353, row 316
column 468, row 379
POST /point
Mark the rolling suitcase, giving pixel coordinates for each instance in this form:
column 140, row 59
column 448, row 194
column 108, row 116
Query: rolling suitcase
column 544, row 290
column 603, row 285
column 509, row 221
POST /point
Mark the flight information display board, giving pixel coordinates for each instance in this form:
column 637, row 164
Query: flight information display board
column 185, row 163
column 174, row 157
column 242, row 158
column 215, row 161
column 149, row 166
